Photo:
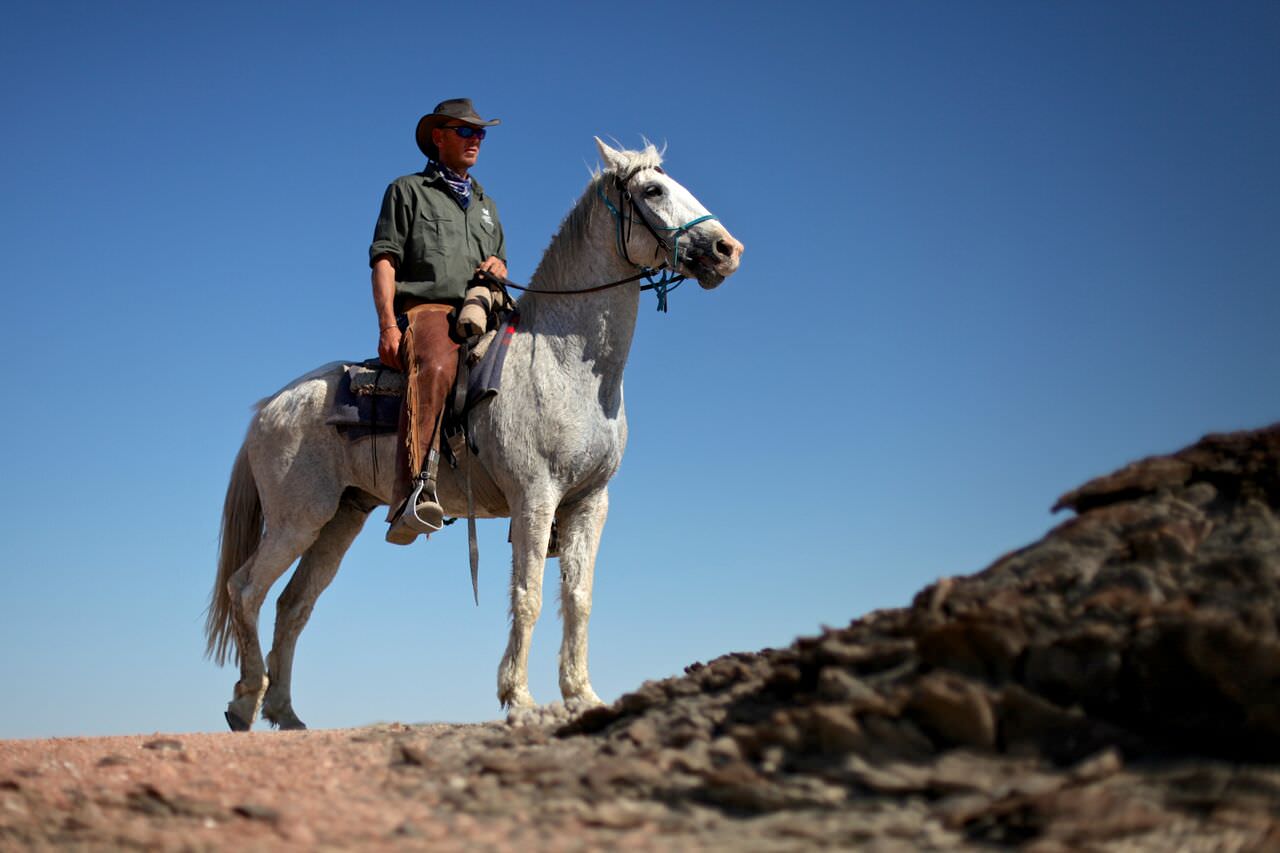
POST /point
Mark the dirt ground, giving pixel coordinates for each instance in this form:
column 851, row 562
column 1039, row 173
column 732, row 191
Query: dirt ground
column 493, row 787
column 391, row 786
column 345, row 788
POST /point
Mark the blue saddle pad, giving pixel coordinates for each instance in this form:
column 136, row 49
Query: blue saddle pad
column 484, row 379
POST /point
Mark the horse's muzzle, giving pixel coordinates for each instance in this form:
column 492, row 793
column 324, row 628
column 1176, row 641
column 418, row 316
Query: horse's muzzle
column 713, row 258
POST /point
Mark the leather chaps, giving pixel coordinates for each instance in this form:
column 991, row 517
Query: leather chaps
column 430, row 358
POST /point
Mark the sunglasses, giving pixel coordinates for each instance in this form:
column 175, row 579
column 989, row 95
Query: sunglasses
column 467, row 132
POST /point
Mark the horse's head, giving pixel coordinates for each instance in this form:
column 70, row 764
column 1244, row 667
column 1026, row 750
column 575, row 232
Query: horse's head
column 661, row 221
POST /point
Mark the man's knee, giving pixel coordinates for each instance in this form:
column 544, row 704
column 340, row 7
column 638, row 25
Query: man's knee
column 436, row 374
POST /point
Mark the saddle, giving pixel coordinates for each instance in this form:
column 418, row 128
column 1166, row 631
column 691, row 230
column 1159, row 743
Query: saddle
column 370, row 395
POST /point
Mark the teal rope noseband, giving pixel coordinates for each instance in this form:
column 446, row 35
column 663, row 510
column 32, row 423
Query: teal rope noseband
column 664, row 279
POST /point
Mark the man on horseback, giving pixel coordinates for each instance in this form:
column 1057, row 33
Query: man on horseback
column 436, row 229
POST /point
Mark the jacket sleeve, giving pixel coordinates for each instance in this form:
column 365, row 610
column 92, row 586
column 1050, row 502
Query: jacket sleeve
column 501, row 246
column 392, row 230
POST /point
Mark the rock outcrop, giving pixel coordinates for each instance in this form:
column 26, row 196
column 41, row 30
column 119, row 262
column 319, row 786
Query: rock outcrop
column 1137, row 640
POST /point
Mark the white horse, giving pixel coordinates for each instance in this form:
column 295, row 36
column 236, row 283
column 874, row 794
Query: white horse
column 551, row 440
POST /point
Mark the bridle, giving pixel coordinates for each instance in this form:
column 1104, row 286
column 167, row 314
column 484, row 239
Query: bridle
column 661, row 279
column 625, row 217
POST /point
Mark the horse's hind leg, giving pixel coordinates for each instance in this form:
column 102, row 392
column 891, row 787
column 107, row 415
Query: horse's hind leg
column 530, row 531
column 284, row 542
column 580, row 526
column 317, row 568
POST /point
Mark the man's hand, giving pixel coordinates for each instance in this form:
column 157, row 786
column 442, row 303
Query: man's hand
column 389, row 347
column 494, row 266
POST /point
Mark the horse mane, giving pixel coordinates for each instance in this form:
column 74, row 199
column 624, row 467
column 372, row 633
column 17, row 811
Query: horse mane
column 576, row 224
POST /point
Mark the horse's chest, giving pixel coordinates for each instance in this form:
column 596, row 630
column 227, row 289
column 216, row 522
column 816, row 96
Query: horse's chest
column 586, row 448
column 575, row 443
column 602, row 445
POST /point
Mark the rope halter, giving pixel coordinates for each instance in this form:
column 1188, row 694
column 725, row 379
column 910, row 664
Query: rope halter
column 664, row 278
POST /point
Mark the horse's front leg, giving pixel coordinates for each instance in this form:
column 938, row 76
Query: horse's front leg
column 530, row 532
column 580, row 526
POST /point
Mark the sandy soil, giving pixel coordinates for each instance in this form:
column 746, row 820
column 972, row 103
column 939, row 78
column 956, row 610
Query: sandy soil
column 390, row 786
column 280, row 790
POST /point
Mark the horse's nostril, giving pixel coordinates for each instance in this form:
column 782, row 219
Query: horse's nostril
column 724, row 248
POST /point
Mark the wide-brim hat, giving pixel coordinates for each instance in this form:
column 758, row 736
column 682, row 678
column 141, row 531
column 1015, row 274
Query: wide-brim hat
column 454, row 109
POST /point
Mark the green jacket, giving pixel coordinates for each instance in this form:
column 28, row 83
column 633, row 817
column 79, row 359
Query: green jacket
column 436, row 244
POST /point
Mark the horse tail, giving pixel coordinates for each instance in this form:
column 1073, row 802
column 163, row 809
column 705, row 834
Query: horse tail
column 241, row 533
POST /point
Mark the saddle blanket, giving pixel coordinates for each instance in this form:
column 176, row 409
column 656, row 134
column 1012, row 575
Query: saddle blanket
column 370, row 394
column 360, row 414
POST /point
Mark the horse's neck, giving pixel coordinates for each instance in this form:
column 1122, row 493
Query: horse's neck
column 586, row 330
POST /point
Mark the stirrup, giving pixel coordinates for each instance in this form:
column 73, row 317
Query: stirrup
column 416, row 518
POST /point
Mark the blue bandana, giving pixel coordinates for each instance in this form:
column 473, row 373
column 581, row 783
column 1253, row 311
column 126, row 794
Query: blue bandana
column 460, row 186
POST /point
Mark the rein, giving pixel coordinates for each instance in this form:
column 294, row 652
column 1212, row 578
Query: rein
column 662, row 280
column 505, row 282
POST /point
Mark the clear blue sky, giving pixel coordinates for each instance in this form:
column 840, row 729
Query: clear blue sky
column 993, row 249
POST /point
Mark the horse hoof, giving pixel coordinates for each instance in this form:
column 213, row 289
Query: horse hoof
column 538, row 716
column 287, row 722
column 237, row 724
column 579, row 704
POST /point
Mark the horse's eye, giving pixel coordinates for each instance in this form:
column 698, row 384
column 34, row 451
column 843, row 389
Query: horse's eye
column 652, row 191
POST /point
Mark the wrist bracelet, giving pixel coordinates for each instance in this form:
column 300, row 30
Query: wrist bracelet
column 384, row 328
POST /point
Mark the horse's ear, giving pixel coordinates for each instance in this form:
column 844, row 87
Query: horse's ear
column 613, row 160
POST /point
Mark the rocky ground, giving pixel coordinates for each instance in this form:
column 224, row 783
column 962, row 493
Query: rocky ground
column 1113, row 686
